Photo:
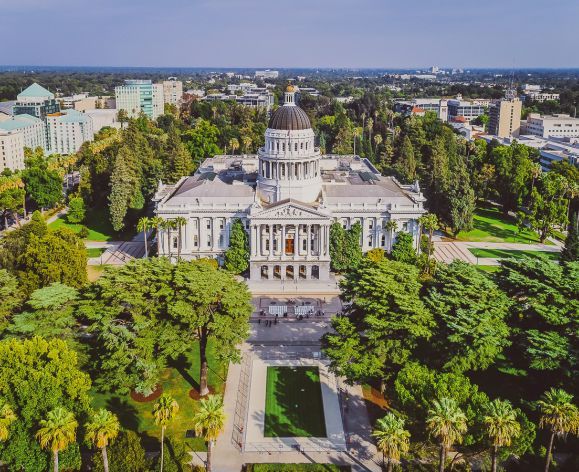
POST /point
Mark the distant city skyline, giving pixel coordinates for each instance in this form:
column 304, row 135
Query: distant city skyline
column 510, row 34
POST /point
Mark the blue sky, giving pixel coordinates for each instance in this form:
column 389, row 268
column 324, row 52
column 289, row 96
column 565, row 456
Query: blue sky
column 300, row 33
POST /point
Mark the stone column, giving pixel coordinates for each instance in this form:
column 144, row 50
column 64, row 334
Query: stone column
column 270, row 240
column 309, row 241
column 282, row 248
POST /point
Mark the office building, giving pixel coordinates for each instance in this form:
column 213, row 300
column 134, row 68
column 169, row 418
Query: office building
column 419, row 106
column 68, row 130
column 11, row 150
column 467, row 109
column 35, row 101
column 172, row 91
column 505, row 116
column 102, row 118
column 551, row 126
column 140, row 96
column 33, row 130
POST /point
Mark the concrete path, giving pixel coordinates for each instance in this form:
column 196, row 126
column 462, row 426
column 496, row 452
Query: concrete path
column 448, row 251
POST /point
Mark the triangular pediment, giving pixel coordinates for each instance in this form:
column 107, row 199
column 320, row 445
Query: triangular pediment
column 289, row 209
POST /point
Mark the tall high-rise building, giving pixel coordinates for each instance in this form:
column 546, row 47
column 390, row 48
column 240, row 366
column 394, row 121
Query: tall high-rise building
column 138, row 96
column 36, row 101
column 172, row 91
column 505, row 116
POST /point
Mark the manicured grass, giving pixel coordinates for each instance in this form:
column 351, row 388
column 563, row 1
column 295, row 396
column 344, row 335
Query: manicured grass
column 95, row 251
column 297, row 468
column 488, row 268
column 98, row 224
column 293, row 403
column 490, row 225
column 504, row 253
column 177, row 381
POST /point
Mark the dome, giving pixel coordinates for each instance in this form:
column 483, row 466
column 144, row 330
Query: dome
column 289, row 118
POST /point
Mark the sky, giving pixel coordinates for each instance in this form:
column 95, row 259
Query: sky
column 300, row 33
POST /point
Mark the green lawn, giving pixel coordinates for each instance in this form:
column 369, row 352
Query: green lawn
column 95, row 251
column 488, row 268
column 177, row 381
column 98, row 224
column 504, row 253
column 293, row 403
column 490, row 225
column 297, row 468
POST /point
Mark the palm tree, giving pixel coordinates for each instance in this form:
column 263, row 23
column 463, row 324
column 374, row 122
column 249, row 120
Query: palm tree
column 57, row 431
column 559, row 415
column 180, row 221
column 157, row 223
column 142, row 226
column 392, row 438
column 168, row 225
column 377, row 142
column 502, row 426
column 447, row 422
column 429, row 222
column 103, row 428
column 246, row 140
column 370, row 126
column 209, row 422
column 7, row 417
column 356, row 133
column 164, row 410
column 233, row 144
column 391, row 226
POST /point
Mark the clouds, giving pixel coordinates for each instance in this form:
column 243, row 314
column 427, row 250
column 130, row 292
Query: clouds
column 308, row 33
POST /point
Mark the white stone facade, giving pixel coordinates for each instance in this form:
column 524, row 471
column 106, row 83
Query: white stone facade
column 287, row 197
column 11, row 150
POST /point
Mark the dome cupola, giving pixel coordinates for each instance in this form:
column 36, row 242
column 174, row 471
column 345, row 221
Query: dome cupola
column 289, row 116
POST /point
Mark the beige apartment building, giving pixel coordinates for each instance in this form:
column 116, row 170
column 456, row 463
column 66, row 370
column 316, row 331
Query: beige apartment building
column 505, row 117
column 11, row 149
column 172, row 91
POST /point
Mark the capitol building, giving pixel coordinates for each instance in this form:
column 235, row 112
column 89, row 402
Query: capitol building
column 287, row 196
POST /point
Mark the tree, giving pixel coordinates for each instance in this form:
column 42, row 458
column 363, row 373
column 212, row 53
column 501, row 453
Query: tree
column 126, row 309
column 391, row 437
column 403, row 248
column 103, row 428
column 461, row 201
column 406, row 161
column 237, row 255
column 548, row 205
column 43, row 186
column 391, row 226
column 447, row 423
column 201, row 141
column 429, row 222
column 234, row 145
column 338, row 259
column 559, row 415
column 59, row 256
column 513, row 168
column 142, row 226
column 178, row 160
column 543, row 317
column 471, row 313
column 179, row 223
column 57, row 431
column 126, row 454
column 125, row 186
column 76, row 210
column 384, row 323
column 502, row 426
column 122, row 117
column 570, row 252
column 10, row 295
column 12, row 197
column 209, row 421
column 36, row 376
column 164, row 410
column 210, row 303
column 7, row 417
column 49, row 313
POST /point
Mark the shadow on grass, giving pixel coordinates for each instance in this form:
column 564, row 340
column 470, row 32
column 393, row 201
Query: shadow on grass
column 183, row 366
column 127, row 414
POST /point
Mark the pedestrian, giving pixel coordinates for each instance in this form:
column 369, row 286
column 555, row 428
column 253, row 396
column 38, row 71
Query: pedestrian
column 259, row 320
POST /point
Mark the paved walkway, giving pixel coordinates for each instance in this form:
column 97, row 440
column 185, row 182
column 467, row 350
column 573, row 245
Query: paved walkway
column 448, row 251
column 290, row 340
